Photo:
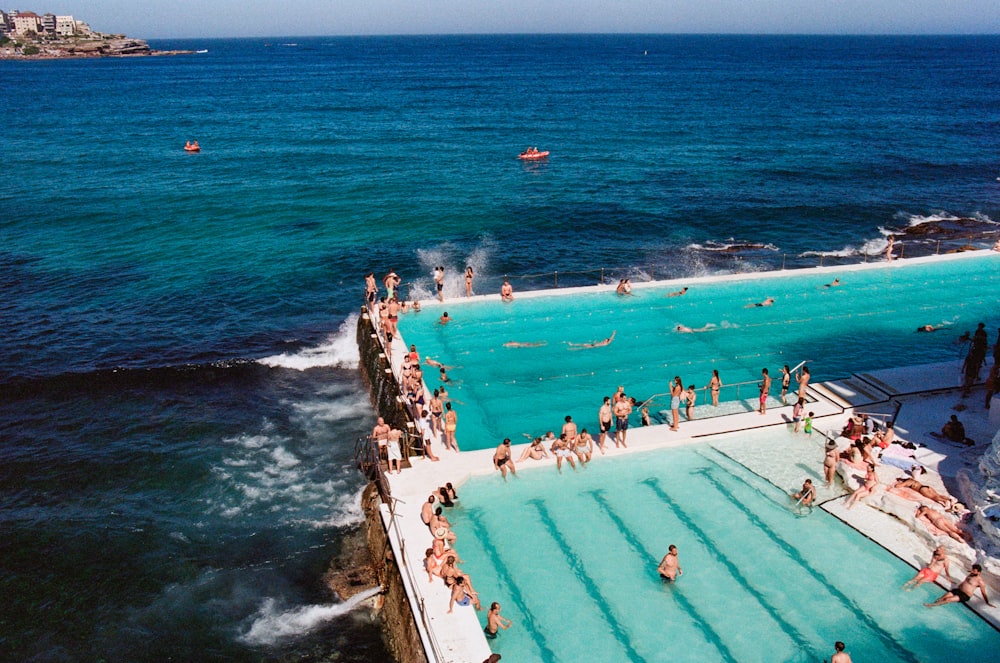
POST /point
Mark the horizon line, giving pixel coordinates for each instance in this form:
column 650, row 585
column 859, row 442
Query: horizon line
column 593, row 34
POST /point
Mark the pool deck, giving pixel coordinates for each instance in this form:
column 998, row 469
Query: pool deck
column 928, row 394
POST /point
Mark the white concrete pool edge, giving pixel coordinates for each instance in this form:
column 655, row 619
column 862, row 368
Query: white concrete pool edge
column 976, row 254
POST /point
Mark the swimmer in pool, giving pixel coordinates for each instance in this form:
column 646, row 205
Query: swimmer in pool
column 596, row 344
column 682, row 329
column 767, row 302
column 670, row 567
column 526, row 344
column 677, row 293
column 806, row 495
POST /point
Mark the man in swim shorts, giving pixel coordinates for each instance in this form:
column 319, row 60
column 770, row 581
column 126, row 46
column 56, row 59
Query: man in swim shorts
column 765, row 386
column 495, row 622
column 621, row 411
column 506, row 291
column 502, row 459
column 562, row 451
column 670, row 566
column 604, row 417
column 930, row 573
column 964, row 591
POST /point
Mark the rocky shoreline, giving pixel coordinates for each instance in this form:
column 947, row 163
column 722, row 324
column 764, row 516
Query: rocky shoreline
column 78, row 48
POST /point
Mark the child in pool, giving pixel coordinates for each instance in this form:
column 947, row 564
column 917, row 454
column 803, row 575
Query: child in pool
column 807, row 426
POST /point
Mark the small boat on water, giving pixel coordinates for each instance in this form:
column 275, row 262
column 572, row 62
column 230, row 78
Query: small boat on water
column 192, row 147
column 533, row 153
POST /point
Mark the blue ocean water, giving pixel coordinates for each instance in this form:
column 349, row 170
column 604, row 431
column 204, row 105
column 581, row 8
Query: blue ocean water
column 163, row 488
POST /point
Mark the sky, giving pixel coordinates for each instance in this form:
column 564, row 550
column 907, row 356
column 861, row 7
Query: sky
column 164, row 19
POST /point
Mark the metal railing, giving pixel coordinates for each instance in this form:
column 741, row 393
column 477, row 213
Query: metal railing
column 405, row 567
column 655, row 399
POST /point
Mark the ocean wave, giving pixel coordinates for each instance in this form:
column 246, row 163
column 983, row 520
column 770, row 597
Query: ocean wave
column 732, row 245
column 450, row 256
column 271, row 624
column 339, row 351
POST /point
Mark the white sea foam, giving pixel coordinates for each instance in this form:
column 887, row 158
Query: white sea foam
column 339, row 351
column 271, row 625
column 450, row 257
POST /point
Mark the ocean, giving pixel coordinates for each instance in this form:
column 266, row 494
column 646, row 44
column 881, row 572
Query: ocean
column 181, row 395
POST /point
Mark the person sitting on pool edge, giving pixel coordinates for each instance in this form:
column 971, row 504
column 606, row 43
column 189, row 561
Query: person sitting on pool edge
column 502, row 459
column 964, row 591
column 534, row 451
column 463, row 594
column 670, row 567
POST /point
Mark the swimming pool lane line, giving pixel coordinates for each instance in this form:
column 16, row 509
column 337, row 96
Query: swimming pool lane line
column 589, row 585
column 711, row 635
column 887, row 638
column 788, row 628
column 530, row 624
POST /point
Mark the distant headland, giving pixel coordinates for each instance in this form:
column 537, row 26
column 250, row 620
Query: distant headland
column 25, row 35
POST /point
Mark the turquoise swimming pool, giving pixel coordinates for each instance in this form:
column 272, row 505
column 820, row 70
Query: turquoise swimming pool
column 572, row 560
column 868, row 322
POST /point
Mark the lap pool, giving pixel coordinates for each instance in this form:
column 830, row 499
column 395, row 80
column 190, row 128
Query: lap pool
column 572, row 560
column 868, row 322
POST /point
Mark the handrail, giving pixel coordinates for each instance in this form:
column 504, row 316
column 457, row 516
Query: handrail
column 705, row 389
column 405, row 567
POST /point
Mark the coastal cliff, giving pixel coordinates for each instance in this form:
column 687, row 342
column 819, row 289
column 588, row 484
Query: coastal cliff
column 78, row 48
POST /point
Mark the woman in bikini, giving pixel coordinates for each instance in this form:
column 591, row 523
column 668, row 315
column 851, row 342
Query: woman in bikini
column 468, row 281
column 830, row 462
column 786, row 379
column 871, row 482
column 437, row 412
column 450, row 425
column 676, row 390
column 926, row 491
column 714, row 385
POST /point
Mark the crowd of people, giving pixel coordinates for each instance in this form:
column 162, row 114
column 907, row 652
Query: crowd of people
column 870, row 446
column 441, row 560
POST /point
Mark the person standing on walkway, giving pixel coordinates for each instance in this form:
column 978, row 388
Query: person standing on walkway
column 765, row 387
column 604, row 417
column 439, row 282
column 802, row 377
column 621, row 410
column 714, row 385
column 676, row 392
column 468, row 280
column 450, row 425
